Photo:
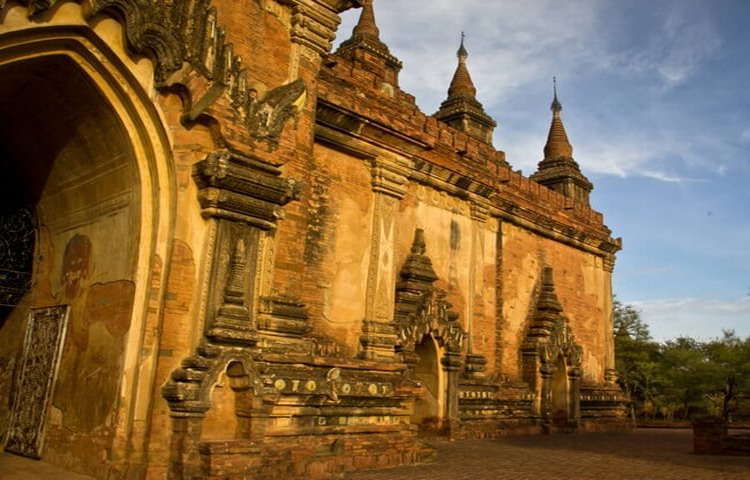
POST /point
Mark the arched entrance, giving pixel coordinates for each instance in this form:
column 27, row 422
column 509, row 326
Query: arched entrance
column 428, row 408
column 69, row 162
column 229, row 417
column 84, row 152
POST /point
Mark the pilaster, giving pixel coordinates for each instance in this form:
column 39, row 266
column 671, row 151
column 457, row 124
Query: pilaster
column 379, row 336
column 476, row 363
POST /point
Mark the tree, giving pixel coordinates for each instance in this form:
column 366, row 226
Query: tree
column 684, row 374
column 728, row 366
column 635, row 355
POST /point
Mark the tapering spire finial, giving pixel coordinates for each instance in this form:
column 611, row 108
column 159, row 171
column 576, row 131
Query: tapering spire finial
column 556, row 105
column 462, row 83
column 366, row 25
column 462, row 52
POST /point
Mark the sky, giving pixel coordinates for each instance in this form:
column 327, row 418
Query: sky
column 656, row 102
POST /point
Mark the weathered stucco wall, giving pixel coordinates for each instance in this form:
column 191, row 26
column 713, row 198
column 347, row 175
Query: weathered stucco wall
column 581, row 284
column 337, row 245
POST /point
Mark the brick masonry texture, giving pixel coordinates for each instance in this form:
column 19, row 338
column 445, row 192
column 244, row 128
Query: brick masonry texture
column 642, row 455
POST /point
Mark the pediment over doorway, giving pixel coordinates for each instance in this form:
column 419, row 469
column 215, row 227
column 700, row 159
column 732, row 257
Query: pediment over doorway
column 421, row 307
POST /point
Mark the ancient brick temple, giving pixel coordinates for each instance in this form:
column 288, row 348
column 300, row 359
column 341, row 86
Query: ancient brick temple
column 228, row 253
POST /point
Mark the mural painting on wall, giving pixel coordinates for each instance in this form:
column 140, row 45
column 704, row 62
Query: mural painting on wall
column 76, row 265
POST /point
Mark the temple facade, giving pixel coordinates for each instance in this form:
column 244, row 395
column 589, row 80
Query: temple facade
column 230, row 253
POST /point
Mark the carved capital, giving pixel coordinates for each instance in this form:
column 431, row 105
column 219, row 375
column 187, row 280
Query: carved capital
column 314, row 22
column 609, row 263
column 283, row 315
column 479, row 212
column 378, row 341
column 475, row 364
column 237, row 188
column 389, row 178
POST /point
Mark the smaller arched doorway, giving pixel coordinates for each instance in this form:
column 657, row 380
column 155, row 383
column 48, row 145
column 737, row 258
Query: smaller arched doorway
column 560, row 392
column 429, row 407
column 231, row 406
column 552, row 361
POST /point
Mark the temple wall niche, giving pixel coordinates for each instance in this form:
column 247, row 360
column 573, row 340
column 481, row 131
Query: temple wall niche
column 580, row 283
column 338, row 246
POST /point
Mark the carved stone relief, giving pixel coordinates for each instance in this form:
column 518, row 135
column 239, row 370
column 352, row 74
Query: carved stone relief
column 188, row 47
column 37, row 373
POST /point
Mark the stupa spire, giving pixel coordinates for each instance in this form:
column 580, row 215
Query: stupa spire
column 461, row 109
column 367, row 27
column 366, row 50
column 558, row 144
column 559, row 171
column 462, row 83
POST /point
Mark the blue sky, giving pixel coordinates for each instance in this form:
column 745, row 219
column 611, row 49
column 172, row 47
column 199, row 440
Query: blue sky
column 656, row 98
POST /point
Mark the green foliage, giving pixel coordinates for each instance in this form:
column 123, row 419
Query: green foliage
column 680, row 377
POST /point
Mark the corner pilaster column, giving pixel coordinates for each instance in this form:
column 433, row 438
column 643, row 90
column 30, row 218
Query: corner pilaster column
column 610, row 373
column 452, row 365
column 243, row 197
column 475, row 363
column 379, row 336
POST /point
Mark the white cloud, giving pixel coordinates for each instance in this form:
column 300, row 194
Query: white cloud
column 696, row 317
column 677, row 50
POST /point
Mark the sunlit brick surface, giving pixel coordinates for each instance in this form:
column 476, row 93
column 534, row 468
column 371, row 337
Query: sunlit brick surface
column 643, row 455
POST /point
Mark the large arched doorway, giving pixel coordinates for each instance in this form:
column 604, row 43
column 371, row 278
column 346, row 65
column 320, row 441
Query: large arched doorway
column 68, row 160
column 428, row 408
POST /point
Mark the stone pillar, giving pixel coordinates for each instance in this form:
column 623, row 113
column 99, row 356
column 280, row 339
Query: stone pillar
column 452, row 364
column 546, row 394
column 379, row 335
column 574, row 399
column 185, row 461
